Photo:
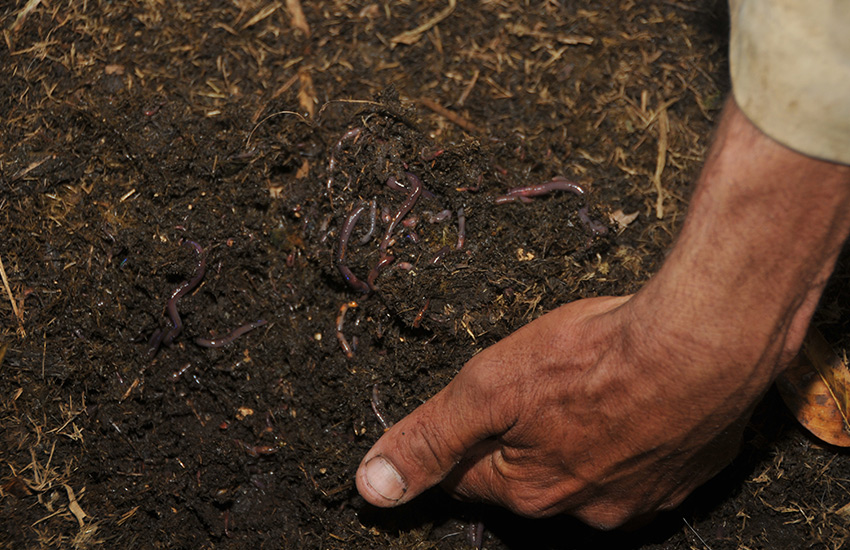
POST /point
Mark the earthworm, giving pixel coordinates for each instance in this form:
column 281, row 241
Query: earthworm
column 428, row 155
column 352, row 279
column 353, row 133
column 340, row 320
column 181, row 291
column 255, row 450
column 406, row 206
column 221, row 342
column 373, row 218
column 438, row 255
column 556, row 184
column 344, row 236
column 475, row 536
column 410, row 221
column 440, row 216
column 393, row 183
column 421, row 314
column 596, row 227
column 472, row 188
column 155, row 342
column 461, row 228
column 175, row 376
column 375, row 271
column 377, row 405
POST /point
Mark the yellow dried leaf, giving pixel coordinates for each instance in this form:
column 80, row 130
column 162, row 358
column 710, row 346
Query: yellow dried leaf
column 816, row 388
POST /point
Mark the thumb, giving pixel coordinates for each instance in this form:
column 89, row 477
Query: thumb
column 421, row 449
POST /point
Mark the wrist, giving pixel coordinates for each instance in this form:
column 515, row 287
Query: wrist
column 763, row 232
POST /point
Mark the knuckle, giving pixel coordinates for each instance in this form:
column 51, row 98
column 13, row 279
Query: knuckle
column 605, row 517
column 536, row 503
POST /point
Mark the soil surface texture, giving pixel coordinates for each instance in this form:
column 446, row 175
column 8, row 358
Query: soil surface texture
column 332, row 179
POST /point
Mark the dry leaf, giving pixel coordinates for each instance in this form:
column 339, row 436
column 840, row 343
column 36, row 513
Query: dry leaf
column 817, row 390
column 74, row 506
column 622, row 219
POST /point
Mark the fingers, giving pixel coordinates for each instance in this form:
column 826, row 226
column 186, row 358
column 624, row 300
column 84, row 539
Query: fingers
column 421, row 449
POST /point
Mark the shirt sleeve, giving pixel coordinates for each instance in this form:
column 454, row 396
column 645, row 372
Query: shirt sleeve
column 790, row 65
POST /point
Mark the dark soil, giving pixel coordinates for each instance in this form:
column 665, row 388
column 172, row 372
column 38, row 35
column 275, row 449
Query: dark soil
column 130, row 128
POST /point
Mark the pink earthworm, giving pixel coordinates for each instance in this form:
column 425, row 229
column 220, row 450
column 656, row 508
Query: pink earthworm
column 393, row 183
column 421, row 314
column 596, row 227
column 181, row 291
column 340, row 321
column 440, row 216
column 438, row 255
column 236, row 333
column 351, row 134
column 375, row 271
column 410, row 221
column 406, row 206
column 344, row 236
column 461, row 228
column 556, row 184
column 377, row 405
column 175, row 376
column 475, row 535
column 373, row 218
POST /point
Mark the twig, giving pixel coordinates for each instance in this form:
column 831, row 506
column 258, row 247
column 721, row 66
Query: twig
column 412, row 36
column 661, row 161
column 278, row 113
column 18, row 315
column 468, row 88
column 451, row 116
column 697, row 534
column 381, row 108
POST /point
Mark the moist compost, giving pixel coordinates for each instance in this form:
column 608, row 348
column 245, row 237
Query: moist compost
column 279, row 144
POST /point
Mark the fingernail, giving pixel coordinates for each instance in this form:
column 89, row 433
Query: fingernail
column 384, row 479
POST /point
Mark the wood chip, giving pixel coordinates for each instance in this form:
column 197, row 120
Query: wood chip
column 297, row 15
column 306, row 94
column 622, row 219
column 74, row 506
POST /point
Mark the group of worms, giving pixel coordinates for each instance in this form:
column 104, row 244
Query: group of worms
column 166, row 336
column 401, row 220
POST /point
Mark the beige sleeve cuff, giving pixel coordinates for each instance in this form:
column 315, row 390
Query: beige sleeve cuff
column 790, row 64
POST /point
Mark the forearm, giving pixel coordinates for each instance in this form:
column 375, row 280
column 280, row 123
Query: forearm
column 764, row 229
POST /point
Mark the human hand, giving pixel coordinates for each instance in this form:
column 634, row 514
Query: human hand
column 572, row 413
